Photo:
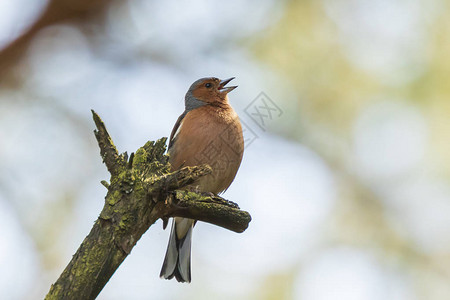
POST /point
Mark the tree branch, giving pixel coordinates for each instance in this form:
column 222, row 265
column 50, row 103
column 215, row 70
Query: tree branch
column 141, row 190
column 212, row 209
column 108, row 151
column 56, row 11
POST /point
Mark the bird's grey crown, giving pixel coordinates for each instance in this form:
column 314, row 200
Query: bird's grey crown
column 194, row 85
column 190, row 102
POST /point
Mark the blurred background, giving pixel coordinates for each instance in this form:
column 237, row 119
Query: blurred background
column 346, row 111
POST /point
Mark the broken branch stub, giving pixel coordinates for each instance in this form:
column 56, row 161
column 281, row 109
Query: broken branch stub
column 142, row 189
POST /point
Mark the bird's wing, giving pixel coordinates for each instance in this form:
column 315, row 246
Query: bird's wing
column 176, row 128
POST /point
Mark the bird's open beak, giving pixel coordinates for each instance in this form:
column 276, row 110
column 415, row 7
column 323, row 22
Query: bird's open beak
column 228, row 89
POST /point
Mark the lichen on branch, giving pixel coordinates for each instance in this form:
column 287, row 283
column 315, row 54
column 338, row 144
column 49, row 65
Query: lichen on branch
column 142, row 189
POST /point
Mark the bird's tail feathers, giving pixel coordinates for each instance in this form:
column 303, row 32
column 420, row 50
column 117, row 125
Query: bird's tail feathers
column 177, row 262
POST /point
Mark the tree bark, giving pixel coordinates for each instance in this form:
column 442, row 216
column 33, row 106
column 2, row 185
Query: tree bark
column 141, row 190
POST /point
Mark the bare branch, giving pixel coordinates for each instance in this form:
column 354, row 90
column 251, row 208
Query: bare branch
column 141, row 190
column 57, row 11
column 211, row 209
column 108, row 151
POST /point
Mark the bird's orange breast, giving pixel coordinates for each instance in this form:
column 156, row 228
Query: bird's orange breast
column 210, row 135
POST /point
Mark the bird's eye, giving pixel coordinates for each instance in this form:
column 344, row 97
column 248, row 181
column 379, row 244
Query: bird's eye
column 208, row 85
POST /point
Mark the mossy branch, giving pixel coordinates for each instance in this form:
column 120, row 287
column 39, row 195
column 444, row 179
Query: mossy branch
column 209, row 208
column 141, row 190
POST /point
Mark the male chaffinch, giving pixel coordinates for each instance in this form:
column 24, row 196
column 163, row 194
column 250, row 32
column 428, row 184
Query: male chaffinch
column 207, row 132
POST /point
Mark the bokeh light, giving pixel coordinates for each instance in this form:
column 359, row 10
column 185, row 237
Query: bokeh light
column 348, row 184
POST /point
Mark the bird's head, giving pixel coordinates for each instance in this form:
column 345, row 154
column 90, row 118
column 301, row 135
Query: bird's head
column 209, row 90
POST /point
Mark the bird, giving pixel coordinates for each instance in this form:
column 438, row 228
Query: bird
column 207, row 132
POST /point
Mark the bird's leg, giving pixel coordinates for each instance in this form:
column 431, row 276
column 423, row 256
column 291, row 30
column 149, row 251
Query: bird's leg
column 170, row 201
column 165, row 222
column 217, row 199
